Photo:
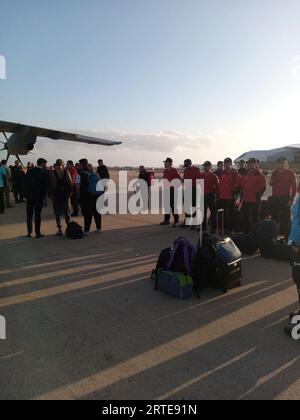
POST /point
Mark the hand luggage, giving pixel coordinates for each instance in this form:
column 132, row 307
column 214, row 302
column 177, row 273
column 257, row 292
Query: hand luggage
column 227, row 262
column 263, row 233
column 277, row 250
column 177, row 285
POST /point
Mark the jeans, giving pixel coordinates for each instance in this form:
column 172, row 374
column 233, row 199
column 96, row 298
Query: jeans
column 61, row 206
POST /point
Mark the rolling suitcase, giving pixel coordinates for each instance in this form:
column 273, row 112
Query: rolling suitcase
column 226, row 271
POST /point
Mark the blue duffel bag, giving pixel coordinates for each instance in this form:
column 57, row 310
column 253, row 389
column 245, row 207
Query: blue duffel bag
column 177, row 285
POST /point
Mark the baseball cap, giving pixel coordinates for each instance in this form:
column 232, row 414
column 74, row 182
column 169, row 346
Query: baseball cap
column 168, row 160
column 207, row 163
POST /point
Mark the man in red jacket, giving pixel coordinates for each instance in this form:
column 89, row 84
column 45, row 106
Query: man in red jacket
column 253, row 186
column 171, row 174
column 284, row 183
column 229, row 184
column 211, row 189
column 191, row 173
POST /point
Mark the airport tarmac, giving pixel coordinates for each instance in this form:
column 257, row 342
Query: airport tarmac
column 83, row 321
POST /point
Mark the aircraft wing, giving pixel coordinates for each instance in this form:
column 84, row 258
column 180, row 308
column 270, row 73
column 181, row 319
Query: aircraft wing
column 9, row 127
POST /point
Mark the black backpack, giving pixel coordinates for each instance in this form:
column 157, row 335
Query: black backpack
column 162, row 262
column 74, row 231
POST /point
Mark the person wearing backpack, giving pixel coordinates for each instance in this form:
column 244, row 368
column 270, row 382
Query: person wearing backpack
column 88, row 191
column 60, row 190
column 35, row 190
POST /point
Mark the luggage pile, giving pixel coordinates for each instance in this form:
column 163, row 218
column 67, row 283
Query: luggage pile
column 264, row 239
column 215, row 263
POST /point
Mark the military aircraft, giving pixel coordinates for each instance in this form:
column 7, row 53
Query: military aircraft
column 23, row 138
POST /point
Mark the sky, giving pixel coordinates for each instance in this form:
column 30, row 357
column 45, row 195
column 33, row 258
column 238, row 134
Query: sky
column 199, row 79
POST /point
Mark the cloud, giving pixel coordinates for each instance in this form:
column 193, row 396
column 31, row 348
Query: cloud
column 163, row 141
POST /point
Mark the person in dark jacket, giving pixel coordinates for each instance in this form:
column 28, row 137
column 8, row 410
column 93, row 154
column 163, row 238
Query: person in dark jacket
column 60, row 190
column 102, row 170
column 17, row 176
column 87, row 201
column 35, row 189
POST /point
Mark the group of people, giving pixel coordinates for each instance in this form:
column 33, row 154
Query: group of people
column 68, row 186
column 238, row 192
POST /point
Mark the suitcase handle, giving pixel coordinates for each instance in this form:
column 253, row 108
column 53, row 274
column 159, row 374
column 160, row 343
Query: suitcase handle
column 222, row 213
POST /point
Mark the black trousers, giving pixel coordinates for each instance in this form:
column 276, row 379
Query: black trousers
column 250, row 216
column 34, row 207
column 296, row 271
column 281, row 213
column 74, row 203
column 228, row 206
column 172, row 205
column 211, row 205
column 89, row 210
column 2, row 202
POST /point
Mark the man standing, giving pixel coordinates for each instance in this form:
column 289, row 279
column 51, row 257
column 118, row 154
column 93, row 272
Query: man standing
column 87, row 201
column 2, row 187
column 60, row 190
column 242, row 168
column 229, row 184
column 35, row 189
column 7, row 188
column 102, row 170
column 191, row 173
column 253, row 186
column 171, row 174
column 220, row 168
column 74, row 200
column 211, row 189
column 18, row 175
column 284, row 185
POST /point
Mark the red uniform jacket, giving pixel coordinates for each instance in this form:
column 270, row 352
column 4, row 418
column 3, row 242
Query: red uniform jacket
column 252, row 184
column 229, row 182
column 171, row 174
column 192, row 173
column 211, row 182
column 284, row 183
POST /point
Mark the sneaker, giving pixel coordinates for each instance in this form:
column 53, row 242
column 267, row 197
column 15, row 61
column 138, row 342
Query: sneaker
column 86, row 233
column 98, row 231
column 165, row 223
column 29, row 236
column 293, row 314
column 183, row 226
column 176, row 225
column 59, row 233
